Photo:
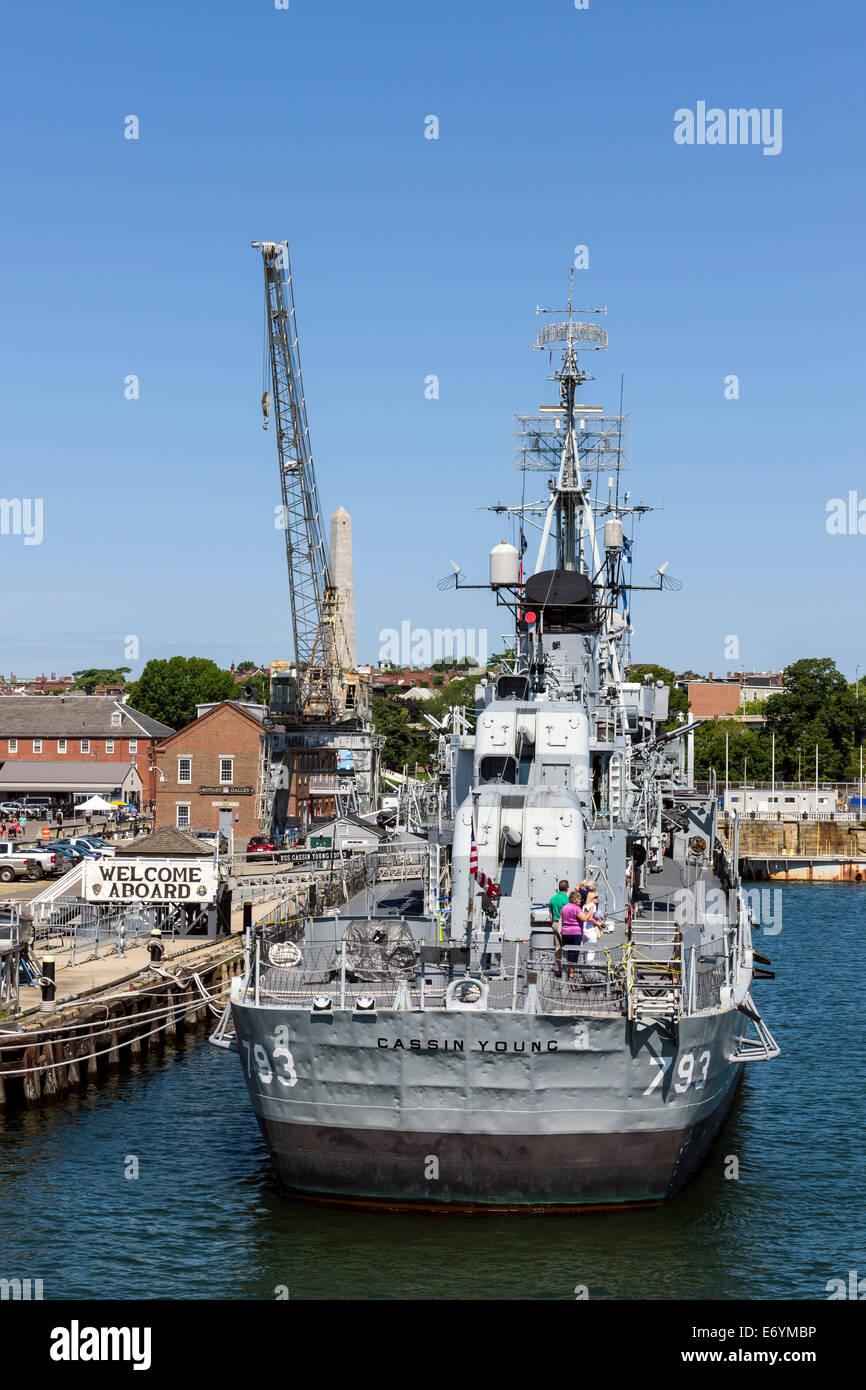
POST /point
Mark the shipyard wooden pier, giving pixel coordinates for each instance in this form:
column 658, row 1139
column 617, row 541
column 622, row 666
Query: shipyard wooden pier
column 70, row 1016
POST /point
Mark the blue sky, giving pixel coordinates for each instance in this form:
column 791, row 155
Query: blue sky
column 415, row 257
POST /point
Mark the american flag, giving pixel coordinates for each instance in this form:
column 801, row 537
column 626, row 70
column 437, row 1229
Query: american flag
column 484, row 883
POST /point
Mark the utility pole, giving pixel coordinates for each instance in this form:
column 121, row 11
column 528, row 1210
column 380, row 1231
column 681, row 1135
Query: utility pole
column 726, row 773
column 773, row 771
column 816, row 781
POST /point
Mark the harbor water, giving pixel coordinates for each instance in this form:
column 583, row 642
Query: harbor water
column 158, row 1184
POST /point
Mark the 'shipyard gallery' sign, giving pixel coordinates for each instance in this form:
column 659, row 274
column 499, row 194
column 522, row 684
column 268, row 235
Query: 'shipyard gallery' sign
column 149, row 881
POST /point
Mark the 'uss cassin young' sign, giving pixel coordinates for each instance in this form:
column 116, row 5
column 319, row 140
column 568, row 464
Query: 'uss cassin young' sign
column 149, row 881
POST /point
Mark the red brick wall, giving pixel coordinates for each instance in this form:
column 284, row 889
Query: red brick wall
column 713, row 698
column 223, row 733
column 142, row 758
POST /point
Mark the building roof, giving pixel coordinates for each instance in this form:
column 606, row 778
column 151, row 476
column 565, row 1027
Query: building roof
column 65, row 776
column 235, row 706
column 74, row 716
column 167, row 842
column 349, row 818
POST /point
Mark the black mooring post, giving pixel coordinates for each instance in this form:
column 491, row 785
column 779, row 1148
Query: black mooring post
column 48, row 986
column 156, row 947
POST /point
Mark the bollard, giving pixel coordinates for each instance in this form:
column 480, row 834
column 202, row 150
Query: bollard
column 157, row 949
column 48, row 986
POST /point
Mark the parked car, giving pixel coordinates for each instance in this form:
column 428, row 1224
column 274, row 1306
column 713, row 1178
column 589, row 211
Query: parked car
column 29, row 863
column 262, row 844
column 94, row 843
column 211, row 837
column 36, row 806
column 68, row 857
column 10, row 808
column 83, row 851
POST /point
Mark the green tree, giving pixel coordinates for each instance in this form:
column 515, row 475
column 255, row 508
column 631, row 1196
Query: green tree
column 170, row 689
column 817, row 706
column 244, row 666
column 460, row 691
column 403, row 744
column 749, row 752
column 92, row 676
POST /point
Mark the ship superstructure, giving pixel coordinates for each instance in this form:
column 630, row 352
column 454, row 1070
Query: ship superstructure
column 415, row 1052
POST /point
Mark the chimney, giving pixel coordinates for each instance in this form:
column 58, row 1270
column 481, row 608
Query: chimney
column 343, row 581
column 710, row 676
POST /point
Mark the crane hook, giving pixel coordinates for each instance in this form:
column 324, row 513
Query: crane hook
column 266, row 409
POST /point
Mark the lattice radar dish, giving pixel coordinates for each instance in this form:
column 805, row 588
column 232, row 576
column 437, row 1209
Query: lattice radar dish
column 588, row 335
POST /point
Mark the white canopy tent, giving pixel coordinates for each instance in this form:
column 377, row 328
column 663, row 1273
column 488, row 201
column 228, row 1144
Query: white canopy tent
column 94, row 803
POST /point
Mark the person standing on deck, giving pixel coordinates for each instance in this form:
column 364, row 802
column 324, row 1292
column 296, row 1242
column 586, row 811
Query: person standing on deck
column 556, row 904
column 571, row 919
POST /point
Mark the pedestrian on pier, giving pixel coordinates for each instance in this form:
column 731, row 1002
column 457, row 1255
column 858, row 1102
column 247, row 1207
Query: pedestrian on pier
column 58, row 820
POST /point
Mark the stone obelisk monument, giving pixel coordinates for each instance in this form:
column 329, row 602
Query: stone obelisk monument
column 343, row 581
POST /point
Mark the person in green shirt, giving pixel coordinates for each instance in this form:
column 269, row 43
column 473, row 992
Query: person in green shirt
column 556, row 904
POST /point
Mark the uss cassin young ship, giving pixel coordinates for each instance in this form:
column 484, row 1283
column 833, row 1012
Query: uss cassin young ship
column 421, row 1052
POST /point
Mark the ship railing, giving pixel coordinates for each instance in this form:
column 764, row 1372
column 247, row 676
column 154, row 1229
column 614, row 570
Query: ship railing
column 400, row 865
column 519, row 978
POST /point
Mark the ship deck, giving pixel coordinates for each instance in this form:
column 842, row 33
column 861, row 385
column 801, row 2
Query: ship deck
column 673, row 897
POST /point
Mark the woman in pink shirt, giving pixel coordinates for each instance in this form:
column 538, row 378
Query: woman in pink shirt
column 571, row 926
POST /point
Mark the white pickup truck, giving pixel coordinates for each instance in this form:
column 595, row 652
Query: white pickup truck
column 32, row 863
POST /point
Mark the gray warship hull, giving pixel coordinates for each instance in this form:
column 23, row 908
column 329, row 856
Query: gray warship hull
column 433, row 1109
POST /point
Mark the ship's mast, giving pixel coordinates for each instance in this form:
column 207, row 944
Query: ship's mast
column 569, row 515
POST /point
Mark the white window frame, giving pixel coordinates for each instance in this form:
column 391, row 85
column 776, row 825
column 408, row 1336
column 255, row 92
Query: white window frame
column 37, row 745
column 13, row 745
column 182, row 806
column 227, row 758
column 61, row 746
column 85, row 745
column 109, row 745
column 116, row 719
column 133, row 746
column 184, row 758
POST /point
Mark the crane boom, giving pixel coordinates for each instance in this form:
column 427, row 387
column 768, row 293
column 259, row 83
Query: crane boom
column 313, row 599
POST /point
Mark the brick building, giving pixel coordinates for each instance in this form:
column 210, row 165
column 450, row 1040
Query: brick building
column 37, row 685
column 37, row 728
column 213, row 773
column 425, row 677
column 723, row 697
column 308, row 787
